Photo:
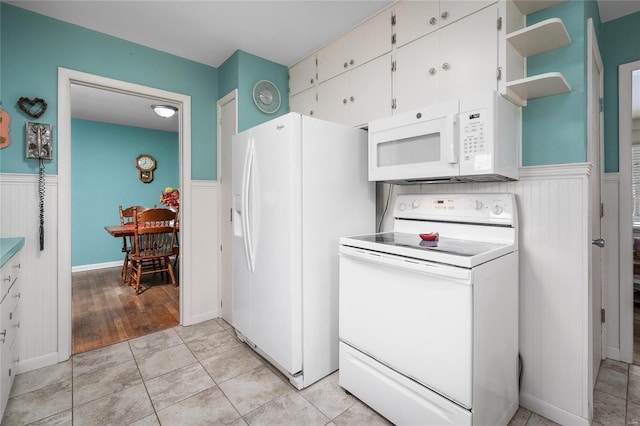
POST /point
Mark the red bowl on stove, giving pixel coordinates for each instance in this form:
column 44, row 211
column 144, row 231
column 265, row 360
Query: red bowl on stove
column 432, row 236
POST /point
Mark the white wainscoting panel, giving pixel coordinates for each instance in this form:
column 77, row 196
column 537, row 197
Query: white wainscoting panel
column 611, row 263
column 201, row 299
column 554, row 247
column 19, row 217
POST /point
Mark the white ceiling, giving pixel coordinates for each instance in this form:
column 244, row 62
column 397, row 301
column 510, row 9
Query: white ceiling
column 209, row 31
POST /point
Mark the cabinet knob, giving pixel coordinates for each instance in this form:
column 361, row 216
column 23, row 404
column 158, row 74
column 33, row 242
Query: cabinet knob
column 17, row 266
column 346, row 64
column 17, row 325
column 311, row 81
column 9, row 372
column 352, row 98
column 17, row 295
column 444, row 15
column 432, row 71
column 8, row 278
column 344, row 101
column 311, row 113
column 446, row 66
column 351, row 62
column 433, row 21
column 3, row 335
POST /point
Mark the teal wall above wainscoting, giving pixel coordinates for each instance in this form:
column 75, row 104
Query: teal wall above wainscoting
column 33, row 46
column 620, row 45
column 104, row 176
column 554, row 128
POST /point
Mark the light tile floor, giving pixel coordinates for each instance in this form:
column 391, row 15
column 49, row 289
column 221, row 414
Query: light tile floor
column 202, row 375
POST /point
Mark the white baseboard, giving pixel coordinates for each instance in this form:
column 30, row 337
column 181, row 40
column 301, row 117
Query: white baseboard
column 205, row 316
column 27, row 365
column 551, row 412
column 613, row 353
column 95, row 266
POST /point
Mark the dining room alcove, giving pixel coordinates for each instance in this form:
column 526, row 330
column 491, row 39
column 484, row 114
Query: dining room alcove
column 104, row 175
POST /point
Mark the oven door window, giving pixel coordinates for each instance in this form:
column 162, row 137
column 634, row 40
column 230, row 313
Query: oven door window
column 417, row 149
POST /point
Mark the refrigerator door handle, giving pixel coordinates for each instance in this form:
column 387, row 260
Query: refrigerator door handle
column 248, row 201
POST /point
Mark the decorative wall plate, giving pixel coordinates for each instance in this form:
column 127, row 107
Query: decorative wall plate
column 5, row 120
column 266, row 96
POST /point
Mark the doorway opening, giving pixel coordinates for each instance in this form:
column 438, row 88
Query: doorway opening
column 629, row 219
column 67, row 78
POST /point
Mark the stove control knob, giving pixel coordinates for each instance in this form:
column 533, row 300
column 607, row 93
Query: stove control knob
column 477, row 204
column 497, row 209
column 415, row 204
column 402, row 207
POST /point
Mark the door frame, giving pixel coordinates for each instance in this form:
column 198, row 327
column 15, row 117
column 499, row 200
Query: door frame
column 224, row 256
column 625, row 123
column 66, row 77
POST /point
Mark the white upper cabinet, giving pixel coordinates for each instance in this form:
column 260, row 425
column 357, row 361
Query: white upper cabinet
column 304, row 102
column 459, row 59
column 358, row 96
column 415, row 19
column 365, row 42
column 302, row 75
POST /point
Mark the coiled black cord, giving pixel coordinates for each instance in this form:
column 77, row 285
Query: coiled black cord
column 41, row 188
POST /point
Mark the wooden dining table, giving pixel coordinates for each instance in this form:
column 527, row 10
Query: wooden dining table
column 125, row 230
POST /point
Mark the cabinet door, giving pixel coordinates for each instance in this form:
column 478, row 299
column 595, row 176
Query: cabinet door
column 358, row 96
column 417, row 73
column 304, row 102
column 415, row 19
column 302, row 75
column 365, row 42
column 370, row 91
column 454, row 10
column 469, row 55
column 333, row 104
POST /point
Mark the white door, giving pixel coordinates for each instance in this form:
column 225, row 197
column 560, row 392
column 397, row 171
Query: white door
column 241, row 274
column 227, row 127
column 275, row 230
column 595, row 157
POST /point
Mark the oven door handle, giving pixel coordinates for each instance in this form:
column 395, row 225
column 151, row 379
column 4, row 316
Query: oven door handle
column 454, row 273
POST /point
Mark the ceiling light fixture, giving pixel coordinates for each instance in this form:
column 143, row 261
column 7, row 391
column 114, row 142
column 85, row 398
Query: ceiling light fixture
column 164, row 111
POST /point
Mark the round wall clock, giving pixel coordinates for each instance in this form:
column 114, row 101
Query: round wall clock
column 266, row 96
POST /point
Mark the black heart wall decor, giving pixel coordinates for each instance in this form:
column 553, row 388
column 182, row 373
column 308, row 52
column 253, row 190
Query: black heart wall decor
column 33, row 107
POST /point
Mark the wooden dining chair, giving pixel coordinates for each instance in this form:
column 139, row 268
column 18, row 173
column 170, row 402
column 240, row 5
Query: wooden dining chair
column 154, row 241
column 126, row 218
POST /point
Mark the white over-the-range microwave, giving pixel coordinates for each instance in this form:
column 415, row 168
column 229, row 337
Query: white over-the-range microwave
column 474, row 138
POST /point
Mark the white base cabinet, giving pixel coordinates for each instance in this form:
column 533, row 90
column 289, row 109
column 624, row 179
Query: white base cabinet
column 9, row 324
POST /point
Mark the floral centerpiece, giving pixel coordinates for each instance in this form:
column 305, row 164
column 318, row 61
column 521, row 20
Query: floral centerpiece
column 170, row 197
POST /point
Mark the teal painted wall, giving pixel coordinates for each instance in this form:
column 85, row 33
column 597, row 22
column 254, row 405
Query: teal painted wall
column 242, row 71
column 34, row 46
column 104, row 176
column 554, row 127
column 228, row 74
column 252, row 69
column 620, row 45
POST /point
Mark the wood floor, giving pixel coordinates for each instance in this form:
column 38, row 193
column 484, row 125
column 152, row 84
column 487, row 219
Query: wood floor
column 106, row 311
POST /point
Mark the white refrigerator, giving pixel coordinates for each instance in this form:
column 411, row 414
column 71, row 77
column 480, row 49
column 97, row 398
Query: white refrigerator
column 299, row 184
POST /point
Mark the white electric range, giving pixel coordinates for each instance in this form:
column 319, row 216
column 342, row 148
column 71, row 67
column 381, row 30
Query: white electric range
column 429, row 324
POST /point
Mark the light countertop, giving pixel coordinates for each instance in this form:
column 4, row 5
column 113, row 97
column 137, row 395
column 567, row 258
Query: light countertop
column 9, row 247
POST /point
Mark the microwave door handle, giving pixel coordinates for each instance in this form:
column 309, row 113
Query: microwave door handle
column 450, row 138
